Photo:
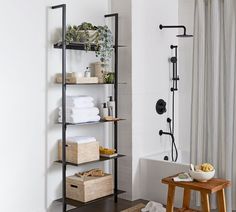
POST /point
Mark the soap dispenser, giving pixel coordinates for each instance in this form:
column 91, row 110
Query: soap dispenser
column 104, row 111
column 87, row 73
column 111, row 107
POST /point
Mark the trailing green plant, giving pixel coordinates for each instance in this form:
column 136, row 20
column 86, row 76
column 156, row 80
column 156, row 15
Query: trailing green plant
column 87, row 26
column 104, row 43
column 72, row 34
column 89, row 34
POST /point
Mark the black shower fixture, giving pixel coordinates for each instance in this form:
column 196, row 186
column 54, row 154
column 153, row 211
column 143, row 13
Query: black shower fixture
column 184, row 35
column 173, row 146
column 161, row 106
column 173, row 89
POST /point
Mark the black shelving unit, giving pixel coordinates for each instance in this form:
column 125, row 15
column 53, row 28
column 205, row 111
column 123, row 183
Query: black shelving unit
column 80, row 46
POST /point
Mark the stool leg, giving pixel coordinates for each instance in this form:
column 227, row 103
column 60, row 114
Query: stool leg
column 170, row 198
column 221, row 201
column 205, row 202
column 186, row 198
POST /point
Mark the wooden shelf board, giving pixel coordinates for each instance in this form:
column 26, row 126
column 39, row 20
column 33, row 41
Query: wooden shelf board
column 79, row 46
column 101, row 160
column 91, row 123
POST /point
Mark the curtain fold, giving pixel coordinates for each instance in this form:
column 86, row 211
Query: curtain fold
column 213, row 116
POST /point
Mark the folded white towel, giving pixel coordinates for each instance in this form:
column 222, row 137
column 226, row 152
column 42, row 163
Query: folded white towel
column 153, row 207
column 183, row 177
column 72, row 111
column 80, row 105
column 75, row 119
column 80, row 139
column 79, row 99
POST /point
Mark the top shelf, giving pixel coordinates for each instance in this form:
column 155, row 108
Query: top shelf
column 75, row 46
column 79, row 46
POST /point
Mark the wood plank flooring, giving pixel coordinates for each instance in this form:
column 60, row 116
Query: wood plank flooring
column 108, row 205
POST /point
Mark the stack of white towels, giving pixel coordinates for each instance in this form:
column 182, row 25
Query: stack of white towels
column 80, row 109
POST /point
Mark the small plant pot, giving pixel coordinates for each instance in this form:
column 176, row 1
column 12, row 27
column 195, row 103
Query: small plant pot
column 109, row 77
column 88, row 36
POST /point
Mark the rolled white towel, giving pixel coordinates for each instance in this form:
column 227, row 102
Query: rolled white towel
column 76, row 119
column 72, row 111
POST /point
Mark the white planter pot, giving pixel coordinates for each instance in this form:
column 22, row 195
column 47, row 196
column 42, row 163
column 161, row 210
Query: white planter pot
column 92, row 35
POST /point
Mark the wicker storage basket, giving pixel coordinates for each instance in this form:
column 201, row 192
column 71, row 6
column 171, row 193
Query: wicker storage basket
column 85, row 189
column 80, row 153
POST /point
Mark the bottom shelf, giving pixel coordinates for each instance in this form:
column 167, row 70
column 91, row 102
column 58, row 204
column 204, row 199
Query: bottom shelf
column 78, row 204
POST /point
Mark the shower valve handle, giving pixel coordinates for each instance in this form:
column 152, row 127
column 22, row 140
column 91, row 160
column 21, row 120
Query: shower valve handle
column 173, row 59
column 161, row 132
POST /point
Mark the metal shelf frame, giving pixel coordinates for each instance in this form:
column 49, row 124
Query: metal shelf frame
column 64, row 47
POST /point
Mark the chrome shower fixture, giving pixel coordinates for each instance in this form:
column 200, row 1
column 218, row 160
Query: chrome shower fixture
column 184, row 35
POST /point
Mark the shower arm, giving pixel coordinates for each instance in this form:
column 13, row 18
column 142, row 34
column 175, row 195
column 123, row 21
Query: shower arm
column 161, row 132
column 173, row 26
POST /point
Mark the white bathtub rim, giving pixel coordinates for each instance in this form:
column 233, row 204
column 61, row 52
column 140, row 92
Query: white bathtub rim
column 150, row 157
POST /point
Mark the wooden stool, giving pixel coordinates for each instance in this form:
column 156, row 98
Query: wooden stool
column 205, row 188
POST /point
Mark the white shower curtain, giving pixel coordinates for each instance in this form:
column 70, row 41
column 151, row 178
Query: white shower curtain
column 213, row 124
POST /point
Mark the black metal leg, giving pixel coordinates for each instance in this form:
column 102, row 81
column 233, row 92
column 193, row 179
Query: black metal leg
column 116, row 56
column 63, row 6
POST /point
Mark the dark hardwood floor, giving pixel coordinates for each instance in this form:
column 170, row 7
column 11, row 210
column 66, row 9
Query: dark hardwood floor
column 108, row 205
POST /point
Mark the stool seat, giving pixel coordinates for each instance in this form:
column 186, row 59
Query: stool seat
column 214, row 185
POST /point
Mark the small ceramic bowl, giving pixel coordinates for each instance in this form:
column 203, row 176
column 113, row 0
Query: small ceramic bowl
column 202, row 176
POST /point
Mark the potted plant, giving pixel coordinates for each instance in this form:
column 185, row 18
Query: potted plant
column 89, row 34
column 109, row 77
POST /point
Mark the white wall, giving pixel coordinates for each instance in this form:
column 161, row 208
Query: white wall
column 151, row 73
column 22, row 91
column 186, row 17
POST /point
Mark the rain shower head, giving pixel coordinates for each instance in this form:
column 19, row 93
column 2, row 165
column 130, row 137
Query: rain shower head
column 184, row 35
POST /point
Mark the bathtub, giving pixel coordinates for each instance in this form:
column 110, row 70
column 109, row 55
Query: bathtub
column 154, row 168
